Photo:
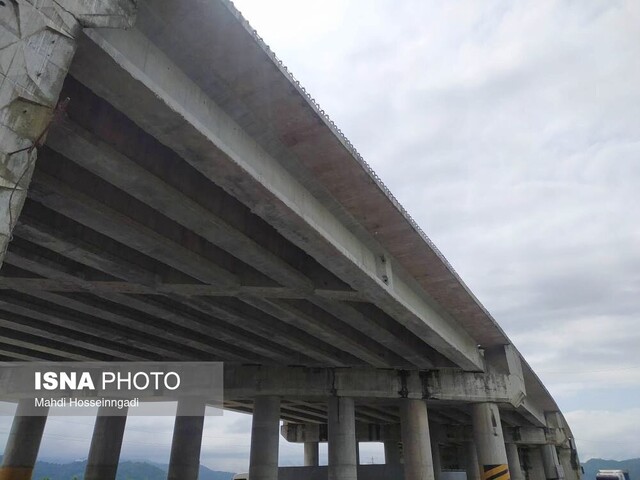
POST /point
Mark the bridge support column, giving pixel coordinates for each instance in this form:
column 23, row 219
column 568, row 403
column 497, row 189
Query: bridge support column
column 106, row 444
column 311, row 454
column 184, row 463
column 534, row 463
column 392, row 452
column 489, row 440
column 471, row 460
column 263, row 463
column 342, row 439
column 552, row 468
column 435, row 452
column 570, row 471
column 23, row 443
column 38, row 43
column 513, row 458
column 416, row 441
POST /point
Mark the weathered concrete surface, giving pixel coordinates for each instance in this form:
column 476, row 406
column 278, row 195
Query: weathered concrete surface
column 184, row 462
column 106, row 444
column 393, row 452
column 552, row 468
column 445, row 385
column 416, row 440
column 37, row 43
column 489, row 440
column 535, row 470
column 343, row 462
column 223, row 152
column 263, row 461
column 513, row 457
column 22, row 447
column 311, row 454
column 472, row 466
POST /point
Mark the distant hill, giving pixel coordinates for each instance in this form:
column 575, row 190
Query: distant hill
column 592, row 466
column 127, row 470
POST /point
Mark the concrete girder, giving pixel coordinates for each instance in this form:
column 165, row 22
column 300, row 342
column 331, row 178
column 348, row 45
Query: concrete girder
column 446, row 434
column 38, row 43
column 110, row 222
column 214, row 348
column 301, row 382
column 99, row 217
column 182, row 289
column 215, row 146
column 351, row 332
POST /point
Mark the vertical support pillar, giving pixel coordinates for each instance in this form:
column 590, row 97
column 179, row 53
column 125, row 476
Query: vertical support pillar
column 106, row 444
column 37, row 40
column 311, row 454
column 513, row 458
column 416, row 441
column 552, row 468
column 472, row 465
column 489, row 440
column 570, row 462
column 263, row 463
column 184, row 463
column 535, row 464
column 435, row 453
column 342, row 439
column 392, row 452
column 23, row 443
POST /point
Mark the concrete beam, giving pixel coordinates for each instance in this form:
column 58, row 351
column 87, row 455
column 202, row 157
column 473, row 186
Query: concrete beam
column 109, row 222
column 301, row 382
column 446, row 434
column 351, row 332
column 224, row 153
column 182, row 289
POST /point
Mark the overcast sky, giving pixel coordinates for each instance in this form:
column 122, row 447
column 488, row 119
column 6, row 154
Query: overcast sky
column 510, row 130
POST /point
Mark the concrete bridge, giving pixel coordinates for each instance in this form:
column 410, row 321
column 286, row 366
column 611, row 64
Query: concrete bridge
column 168, row 191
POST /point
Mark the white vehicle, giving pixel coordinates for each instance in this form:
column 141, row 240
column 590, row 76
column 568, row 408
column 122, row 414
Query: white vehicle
column 241, row 476
column 612, row 475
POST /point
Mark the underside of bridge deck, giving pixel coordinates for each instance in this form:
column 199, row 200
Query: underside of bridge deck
column 192, row 203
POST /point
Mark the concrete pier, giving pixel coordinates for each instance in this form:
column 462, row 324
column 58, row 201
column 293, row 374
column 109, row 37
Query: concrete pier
column 263, row 463
column 23, row 443
column 342, row 439
column 535, row 465
column 416, row 441
column 106, row 444
column 184, row 463
column 311, row 454
column 471, row 461
column 435, row 453
column 392, row 452
column 552, row 468
column 489, row 440
column 570, row 473
column 513, row 458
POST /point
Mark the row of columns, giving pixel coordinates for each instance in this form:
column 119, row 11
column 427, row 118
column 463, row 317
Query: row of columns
column 487, row 457
column 28, row 425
